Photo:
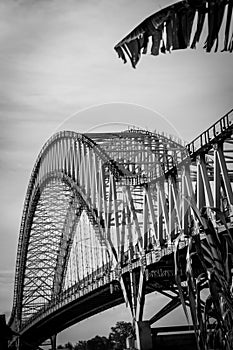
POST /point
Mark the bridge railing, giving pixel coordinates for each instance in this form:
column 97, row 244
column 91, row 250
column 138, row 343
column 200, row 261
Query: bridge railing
column 102, row 276
column 218, row 129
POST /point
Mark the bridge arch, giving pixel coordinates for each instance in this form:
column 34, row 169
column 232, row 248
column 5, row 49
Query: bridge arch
column 134, row 198
column 104, row 175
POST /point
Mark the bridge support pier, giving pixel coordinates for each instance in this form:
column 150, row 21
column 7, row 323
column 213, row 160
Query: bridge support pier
column 136, row 299
column 143, row 335
column 53, row 339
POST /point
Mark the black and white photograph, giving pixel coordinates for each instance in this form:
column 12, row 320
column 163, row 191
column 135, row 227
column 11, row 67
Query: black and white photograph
column 116, row 174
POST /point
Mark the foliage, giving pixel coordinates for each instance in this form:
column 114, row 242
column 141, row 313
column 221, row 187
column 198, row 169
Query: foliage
column 81, row 345
column 68, row 346
column 176, row 23
column 98, row 343
column 119, row 333
column 213, row 318
column 116, row 339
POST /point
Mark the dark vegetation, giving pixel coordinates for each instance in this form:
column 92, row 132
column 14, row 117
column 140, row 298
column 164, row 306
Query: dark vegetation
column 115, row 340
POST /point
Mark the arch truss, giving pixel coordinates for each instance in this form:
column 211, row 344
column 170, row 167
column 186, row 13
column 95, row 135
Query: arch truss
column 98, row 202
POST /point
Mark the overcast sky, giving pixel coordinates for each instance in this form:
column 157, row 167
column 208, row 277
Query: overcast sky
column 57, row 59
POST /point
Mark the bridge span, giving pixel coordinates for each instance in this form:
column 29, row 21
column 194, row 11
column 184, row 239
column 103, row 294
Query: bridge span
column 110, row 217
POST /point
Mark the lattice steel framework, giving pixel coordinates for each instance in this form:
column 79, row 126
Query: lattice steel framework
column 96, row 202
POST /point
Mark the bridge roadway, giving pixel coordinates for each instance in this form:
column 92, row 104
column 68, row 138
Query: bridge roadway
column 99, row 292
column 103, row 217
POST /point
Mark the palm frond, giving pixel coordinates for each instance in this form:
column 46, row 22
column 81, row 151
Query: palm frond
column 213, row 325
column 178, row 276
column 172, row 28
column 200, row 282
column 192, row 290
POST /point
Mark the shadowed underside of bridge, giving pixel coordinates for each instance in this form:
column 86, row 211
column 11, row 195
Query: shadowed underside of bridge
column 102, row 217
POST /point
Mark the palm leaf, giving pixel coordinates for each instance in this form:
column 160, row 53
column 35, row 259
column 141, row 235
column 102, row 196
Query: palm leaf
column 178, row 276
column 192, row 290
column 215, row 256
column 201, row 279
column 171, row 29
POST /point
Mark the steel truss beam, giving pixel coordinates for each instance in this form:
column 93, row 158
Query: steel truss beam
column 104, row 202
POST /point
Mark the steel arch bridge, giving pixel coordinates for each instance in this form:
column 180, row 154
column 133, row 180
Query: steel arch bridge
column 101, row 218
